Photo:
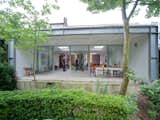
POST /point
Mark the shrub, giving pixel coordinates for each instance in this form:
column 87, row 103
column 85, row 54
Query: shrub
column 152, row 91
column 3, row 51
column 7, row 77
column 57, row 104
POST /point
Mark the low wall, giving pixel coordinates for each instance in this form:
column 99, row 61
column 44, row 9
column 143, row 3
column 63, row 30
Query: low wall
column 92, row 86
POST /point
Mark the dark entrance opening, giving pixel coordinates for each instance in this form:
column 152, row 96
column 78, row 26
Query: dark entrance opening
column 159, row 63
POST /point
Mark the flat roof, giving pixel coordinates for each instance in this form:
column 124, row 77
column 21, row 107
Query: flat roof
column 101, row 29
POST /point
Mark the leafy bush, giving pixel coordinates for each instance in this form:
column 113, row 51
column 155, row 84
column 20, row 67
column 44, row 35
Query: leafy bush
column 3, row 51
column 7, row 77
column 153, row 92
column 132, row 104
column 60, row 104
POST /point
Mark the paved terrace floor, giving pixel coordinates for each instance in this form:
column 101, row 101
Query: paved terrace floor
column 81, row 76
column 74, row 79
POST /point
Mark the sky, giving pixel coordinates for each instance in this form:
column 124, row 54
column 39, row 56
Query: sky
column 76, row 14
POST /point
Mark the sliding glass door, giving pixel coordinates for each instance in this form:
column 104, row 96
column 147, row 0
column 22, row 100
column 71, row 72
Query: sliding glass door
column 44, row 59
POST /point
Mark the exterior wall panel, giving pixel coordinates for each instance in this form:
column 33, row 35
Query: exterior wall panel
column 153, row 62
column 139, row 57
column 23, row 59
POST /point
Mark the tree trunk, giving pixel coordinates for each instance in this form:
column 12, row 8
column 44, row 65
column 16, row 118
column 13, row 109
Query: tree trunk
column 126, row 43
column 34, row 62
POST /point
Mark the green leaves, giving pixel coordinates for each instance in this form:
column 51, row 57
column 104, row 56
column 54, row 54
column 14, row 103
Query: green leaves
column 61, row 104
column 152, row 91
column 102, row 5
column 153, row 7
column 7, row 77
column 22, row 22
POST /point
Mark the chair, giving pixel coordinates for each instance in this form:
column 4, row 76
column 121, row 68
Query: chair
column 93, row 69
column 28, row 71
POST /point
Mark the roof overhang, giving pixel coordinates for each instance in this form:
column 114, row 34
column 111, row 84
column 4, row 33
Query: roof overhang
column 89, row 30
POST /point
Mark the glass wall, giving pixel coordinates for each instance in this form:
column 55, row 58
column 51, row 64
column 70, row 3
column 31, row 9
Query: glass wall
column 61, row 58
column 115, row 56
column 44, row 59
column 98, row 55
column 79, row 58
column 106, row 55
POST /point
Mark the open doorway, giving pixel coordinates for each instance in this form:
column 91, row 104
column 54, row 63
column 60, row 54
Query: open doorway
column 61, row 58
column 79, row 61
column 159, row 64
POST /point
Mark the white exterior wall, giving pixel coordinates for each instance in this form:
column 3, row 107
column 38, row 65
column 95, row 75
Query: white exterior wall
column 56, row 59
column 102, row 58
column 139, row 57
column 23, row 59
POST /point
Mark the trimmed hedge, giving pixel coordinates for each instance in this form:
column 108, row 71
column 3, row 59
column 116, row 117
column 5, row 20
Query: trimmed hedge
column 7, row 77
column 58, row 104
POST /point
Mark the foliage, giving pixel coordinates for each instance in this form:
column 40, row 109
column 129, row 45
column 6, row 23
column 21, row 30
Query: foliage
column 101, row 89
column 152, row 91
column 25, row 24
column 132, row 104
column 152, row 113
column 131, row 75
column 3, row 52
column 95, row 6
column 7, row 77
column 22, row 22
column 102, row 5
column 153, row 7
column 61, row 104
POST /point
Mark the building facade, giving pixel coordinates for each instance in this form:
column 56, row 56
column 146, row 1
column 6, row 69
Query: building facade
column 82, row 48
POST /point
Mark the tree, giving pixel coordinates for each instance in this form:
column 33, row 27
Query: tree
column 3, row 52
column 25, row 28
column 153, row 9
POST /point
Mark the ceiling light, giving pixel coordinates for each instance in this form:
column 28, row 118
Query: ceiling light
column 98, row 47
column 93, row 53
column 64, row 48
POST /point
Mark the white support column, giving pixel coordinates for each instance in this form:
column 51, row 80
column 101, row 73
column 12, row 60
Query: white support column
column 88, row 59
column 11, row 54
column 53, row 53
column 153, row 47
column 70, row 59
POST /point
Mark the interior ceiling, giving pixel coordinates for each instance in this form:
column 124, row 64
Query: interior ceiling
column 80, row 48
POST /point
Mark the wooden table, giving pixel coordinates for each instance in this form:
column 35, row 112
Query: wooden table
column 99, row 71
column 113, row 71
column 28, row 71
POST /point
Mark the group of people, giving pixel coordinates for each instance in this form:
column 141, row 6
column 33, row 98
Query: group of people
column 79, row 65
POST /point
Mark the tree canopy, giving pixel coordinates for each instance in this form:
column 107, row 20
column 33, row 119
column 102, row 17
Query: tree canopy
column 25, row 24
column 20, row 19
column 152, row 6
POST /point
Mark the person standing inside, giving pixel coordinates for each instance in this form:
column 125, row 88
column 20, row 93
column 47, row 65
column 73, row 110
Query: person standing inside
column 63, row 63
column 76, row 64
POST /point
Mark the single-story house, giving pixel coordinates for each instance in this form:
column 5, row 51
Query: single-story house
column 96, row 49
